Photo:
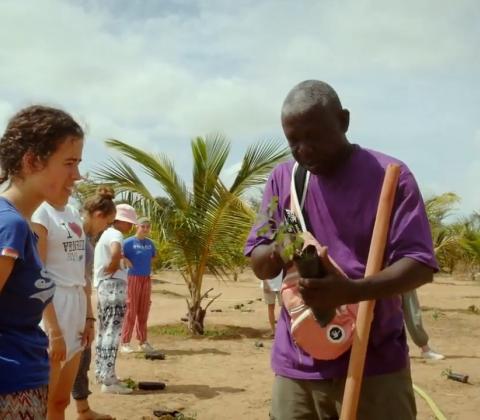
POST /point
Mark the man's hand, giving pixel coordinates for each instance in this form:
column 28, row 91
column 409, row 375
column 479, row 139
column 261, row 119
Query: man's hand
column 330, row 291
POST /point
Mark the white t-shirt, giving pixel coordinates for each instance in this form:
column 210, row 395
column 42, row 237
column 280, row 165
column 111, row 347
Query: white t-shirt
column 103, row 256
column 65, row 262
column 275, row 284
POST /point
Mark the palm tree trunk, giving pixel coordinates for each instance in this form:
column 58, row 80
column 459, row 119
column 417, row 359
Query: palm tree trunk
column 196, row 317
column 196, row 314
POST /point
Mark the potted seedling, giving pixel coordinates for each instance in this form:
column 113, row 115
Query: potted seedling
column 290, row 240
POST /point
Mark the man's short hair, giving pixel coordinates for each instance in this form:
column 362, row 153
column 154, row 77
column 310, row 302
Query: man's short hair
column 308, row 94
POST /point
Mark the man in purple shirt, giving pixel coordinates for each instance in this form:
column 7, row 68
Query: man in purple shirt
column 341, row 203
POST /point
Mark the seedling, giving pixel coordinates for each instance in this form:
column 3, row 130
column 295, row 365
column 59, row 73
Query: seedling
column 288, row 237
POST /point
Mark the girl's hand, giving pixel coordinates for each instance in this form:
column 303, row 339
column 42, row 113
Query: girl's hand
column 88, row 333
column 57, row 350
column 127, row 263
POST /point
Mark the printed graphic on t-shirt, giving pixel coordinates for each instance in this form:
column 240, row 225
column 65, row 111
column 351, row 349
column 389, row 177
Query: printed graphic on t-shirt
column 46, row 287
column 139, row 247
column 74, row 248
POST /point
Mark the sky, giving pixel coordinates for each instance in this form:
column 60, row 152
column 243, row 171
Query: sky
column 157, row 73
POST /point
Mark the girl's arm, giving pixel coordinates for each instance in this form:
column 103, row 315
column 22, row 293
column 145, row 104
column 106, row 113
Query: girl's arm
column 57, row 348
column 42, row 234
column 116, row 249
column 89, row 331
column 6, row 267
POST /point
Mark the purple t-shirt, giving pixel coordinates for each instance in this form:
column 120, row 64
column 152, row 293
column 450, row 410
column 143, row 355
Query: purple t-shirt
column 342, row 210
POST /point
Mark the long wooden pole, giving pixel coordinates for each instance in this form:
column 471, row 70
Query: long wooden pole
column 365, row 309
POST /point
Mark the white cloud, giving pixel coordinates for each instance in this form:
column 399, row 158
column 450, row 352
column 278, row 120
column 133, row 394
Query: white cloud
column 156, row 74
column 471, row 199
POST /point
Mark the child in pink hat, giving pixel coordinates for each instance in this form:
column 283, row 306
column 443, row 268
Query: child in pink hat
column 110, row 279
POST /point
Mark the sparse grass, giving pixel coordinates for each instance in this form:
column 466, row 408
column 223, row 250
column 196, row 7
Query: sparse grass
column 177, row 417
column 189, row 417
column 219, row 332
column 180, row 416
column 176, row 330
column 446, row 372
column 437, row 314
column 474, row 309
column 130, row 383
column 471, row 310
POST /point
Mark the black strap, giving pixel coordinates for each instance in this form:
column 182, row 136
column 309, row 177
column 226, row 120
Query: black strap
column 300, row 178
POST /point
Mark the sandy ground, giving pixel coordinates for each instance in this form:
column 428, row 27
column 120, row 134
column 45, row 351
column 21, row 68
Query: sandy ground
column 212, row 379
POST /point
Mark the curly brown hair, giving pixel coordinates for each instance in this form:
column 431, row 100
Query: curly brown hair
column 37, row 129
column 102, row 201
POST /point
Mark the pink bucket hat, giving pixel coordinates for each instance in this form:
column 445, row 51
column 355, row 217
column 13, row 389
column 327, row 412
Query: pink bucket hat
column 126, row 213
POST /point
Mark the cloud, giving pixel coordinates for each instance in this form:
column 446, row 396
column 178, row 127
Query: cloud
column 156, row 74
column 471, row 200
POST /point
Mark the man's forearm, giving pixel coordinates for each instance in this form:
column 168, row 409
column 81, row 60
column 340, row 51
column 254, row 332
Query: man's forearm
column 266, row 263
column 402, row 276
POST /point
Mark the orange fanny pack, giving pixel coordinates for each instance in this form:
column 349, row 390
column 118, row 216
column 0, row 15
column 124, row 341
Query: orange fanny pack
column 334, row 339
column 323, row 343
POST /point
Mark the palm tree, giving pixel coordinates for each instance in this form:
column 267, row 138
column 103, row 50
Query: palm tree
column 445, row 236
column 205, row 225
column 455, row 243
column 470, row 244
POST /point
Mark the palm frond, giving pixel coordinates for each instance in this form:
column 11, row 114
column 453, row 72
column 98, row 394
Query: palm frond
column 160, row 168
column 122, row 177
column 439, row 207
column 209, row 157
column 257, row 164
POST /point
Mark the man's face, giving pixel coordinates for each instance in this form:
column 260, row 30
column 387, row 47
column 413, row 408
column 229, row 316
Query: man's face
column 317, row 138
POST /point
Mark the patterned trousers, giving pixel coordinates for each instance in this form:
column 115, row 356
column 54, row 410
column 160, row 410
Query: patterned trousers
column 24, row 405
column 138, row 307
column 110, row 313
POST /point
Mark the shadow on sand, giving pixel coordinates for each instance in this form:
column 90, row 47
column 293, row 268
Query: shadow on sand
column 229, row 332
column 192, row 352
column 203, row 392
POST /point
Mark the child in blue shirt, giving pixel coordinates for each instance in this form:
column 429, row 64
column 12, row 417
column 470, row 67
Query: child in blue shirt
column 140, row 251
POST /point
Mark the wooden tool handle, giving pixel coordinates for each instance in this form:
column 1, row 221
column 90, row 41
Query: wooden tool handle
column 365, row 309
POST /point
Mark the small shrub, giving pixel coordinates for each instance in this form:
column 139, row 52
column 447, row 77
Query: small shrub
column 474, row 309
